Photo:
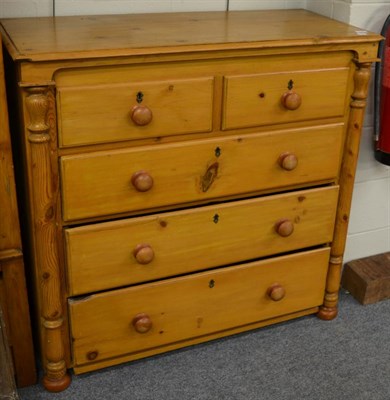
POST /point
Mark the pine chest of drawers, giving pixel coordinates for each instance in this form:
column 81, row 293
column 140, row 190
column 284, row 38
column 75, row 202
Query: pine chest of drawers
column 187, row 176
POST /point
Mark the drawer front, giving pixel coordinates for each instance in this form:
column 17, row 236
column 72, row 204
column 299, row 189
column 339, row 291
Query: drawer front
column 142, row 317
column 142, row 178
column 256, row 100
column 125, row 111
column 114, row 254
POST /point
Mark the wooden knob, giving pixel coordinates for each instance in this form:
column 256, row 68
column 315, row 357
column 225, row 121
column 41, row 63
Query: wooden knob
column 284, row 227
column 276, row 292
column 143, row 253
column 142, row 323
column 291, row 100
column 288, row 161
column 142, row 181
column 141, row 115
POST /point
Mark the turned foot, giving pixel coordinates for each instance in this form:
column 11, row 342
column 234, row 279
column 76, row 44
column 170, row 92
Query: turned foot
column 57, row 385
column 327, row 313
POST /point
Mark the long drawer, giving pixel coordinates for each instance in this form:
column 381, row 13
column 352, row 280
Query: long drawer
column 149, row 316
column 141, row 178
column 108, row 255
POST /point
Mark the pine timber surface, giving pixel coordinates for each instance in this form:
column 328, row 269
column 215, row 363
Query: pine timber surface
column 13, row 292
column 63, row 38
column 95, row 159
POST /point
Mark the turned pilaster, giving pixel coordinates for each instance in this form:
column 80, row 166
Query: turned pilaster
column 39, row 102
column 362, row 74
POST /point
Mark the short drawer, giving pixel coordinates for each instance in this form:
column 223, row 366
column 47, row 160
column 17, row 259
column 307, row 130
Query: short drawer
column 125, row 111
column 113, row 254
column 276, row 98
column 153, row 315
column 110, row 182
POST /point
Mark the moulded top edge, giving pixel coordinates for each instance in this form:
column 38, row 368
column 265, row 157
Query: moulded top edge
column 65, row 38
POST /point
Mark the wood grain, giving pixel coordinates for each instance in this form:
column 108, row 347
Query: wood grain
column 347, row 178
column 101, row 179
column 74, row 37
column 44, row 188
column 100, row 256
column 90, row 189
column 209, row 302
column 13, row 291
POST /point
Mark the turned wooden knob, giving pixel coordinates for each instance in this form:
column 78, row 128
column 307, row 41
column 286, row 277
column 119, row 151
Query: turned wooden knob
column 291, row 100
column 284, row 227
column 142, row 181
column 142, row 323
column 276, row 292
column 143, row 253
column 288, row 161
column 141, row 115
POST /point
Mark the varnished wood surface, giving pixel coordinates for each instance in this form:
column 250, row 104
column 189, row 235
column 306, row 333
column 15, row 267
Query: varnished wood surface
column 100, row 173
column 13, row 291
column 194, row 305
column 195, row 171
column 100, row 256
column 92, row 114
column 94, row 105
column 257, row 99
column 347, row 176
column 93, row 36
column 92, row 366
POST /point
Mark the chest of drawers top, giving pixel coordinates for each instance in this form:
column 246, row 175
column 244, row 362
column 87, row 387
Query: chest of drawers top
column 65, row 39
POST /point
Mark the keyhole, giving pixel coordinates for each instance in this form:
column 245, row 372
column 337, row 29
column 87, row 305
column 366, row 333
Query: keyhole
column 217, row 152
column 216, row 218
column 211, row 283
column 140, row 97
column 290, row 84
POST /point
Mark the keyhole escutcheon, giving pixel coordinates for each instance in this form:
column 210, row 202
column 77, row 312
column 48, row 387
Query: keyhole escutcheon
column 140, row 97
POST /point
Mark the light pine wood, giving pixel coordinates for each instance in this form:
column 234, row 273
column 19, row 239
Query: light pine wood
column 209, row 302
column 191, row 171
column 13, row 291
column 99, row 98
column 41, row 141
column 101, row 256
column 347, row 176
column 260, row 97
column 83, row 37
column 261, row 104
column 105, row 113
column 91, row 366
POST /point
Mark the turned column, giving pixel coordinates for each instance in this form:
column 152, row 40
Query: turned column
column 362, row 73
column 43, row 191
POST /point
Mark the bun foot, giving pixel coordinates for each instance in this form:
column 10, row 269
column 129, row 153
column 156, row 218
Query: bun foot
column 327, row 313
column 57, row 385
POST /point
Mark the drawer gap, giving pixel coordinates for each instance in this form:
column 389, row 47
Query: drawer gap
column 84, row 296
column 183, row 207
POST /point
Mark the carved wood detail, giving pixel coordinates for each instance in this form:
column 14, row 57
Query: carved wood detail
column 362, row 74
column 44, row 190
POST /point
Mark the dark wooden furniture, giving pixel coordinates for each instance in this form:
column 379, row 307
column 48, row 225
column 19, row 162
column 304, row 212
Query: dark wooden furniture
column 13, row 293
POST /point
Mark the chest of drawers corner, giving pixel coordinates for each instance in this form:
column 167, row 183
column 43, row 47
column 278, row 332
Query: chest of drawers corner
column 184, row 181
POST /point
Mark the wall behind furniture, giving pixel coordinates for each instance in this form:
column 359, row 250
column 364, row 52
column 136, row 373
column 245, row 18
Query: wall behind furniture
column 34, row 8
column 369, row 230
